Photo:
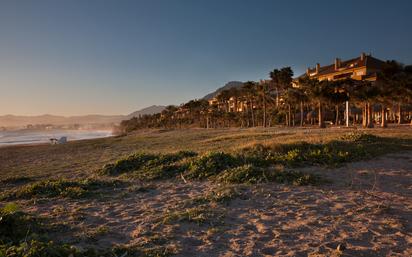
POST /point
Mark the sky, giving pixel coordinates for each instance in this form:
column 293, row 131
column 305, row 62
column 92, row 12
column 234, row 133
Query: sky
column 79, row 57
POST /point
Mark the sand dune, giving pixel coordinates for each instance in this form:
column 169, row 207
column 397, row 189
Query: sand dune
column 367, row 208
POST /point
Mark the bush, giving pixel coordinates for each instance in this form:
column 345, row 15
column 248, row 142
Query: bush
column 243, row 174
column 162, row 171
column 14, row 224
column 359, row 137
column 250, row 174
column 138, row 161
column 211, row 164
column 62, row 187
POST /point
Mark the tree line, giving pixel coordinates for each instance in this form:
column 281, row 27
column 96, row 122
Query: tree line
column 280, row 100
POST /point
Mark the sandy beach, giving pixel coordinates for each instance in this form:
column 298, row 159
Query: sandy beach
column 365, row 209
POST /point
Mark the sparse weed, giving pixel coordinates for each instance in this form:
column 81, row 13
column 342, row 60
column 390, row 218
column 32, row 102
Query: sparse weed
column 201, row 214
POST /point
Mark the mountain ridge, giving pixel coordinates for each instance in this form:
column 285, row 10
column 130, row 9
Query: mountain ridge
column 10, row 120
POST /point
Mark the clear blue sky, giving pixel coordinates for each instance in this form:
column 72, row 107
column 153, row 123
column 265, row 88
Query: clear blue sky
column 113, row 57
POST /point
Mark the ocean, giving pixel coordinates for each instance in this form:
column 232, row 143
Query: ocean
column 18, row 137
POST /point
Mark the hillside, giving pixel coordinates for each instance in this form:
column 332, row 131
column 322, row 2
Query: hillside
column 14, row 121
column 148, row 110
column 228, row 85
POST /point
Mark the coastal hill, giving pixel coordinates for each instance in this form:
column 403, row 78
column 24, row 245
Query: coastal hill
column 22, row 121
column 228, row 85
column 148, row 110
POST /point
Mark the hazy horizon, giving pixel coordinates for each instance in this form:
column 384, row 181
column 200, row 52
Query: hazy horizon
column 72, row 58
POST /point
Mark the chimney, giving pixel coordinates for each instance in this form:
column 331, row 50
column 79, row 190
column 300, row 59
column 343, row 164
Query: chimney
column 307, row 71
column 337, row 63
column 317, row 68
column 362, row 56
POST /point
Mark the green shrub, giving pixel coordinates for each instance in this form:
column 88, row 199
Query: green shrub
column 257, row 155
column 243, row 174
column 250, row 174
column 138, row 161
column 359, row 137
column 211, row 164
column 296, row 178
column 14, row 224
column 162, row 171
column 62, row 187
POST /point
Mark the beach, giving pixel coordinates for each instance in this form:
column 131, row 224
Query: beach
column 360, row 203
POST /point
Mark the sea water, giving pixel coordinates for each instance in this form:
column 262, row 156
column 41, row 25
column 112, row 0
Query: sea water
column 17, row 137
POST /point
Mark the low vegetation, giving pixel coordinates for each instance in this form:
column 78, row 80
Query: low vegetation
column 222, row 194
column 158, row 163
column 200, row 214
column 62, row 188
column 257, row 164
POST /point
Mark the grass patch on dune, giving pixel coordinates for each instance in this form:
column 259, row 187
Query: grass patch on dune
column 62, row 188
column 211, row 164
column 347, row 148
column 251, row 174
column 145, row 161
column 256, row 164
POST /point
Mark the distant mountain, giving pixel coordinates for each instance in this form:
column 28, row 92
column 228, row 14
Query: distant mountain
column 22, row 121
column 228, row 85
column 14, row 121
column 148, row 110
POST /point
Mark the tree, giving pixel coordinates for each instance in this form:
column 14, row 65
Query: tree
column 317, row 92
column 338, row 95
column 365, row 92
column 293, row 97
column 395, row 82
column 249, row 90
column 280, row 80
column 263, row 95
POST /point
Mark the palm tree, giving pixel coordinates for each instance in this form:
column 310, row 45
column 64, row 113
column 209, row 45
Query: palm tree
column 397, row 79
column 317, row 91
column 249, row 90
column 337, row 96
column 280, row 80
column 293, row 97
column 263, row 96
column 365, row 92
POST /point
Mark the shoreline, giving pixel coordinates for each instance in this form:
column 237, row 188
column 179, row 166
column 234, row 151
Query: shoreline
column 43, row 139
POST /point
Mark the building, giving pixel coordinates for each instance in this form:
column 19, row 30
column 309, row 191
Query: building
column 364, row 67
